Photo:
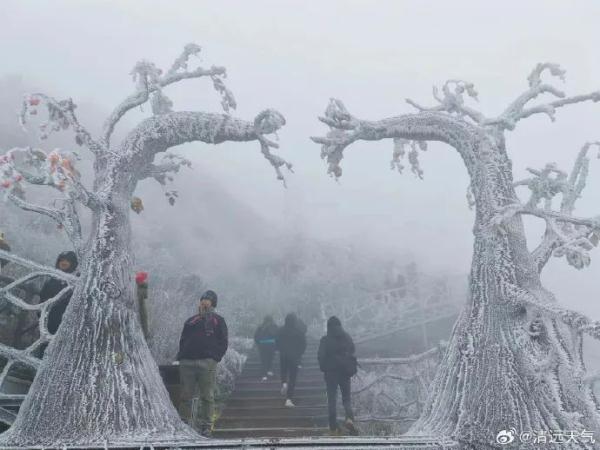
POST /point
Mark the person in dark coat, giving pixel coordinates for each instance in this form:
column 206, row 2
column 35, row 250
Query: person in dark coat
column 264, row 337
column 66, row 262
column 338, row 364
column 291, row 343
column 3, row 246
column 202, row 345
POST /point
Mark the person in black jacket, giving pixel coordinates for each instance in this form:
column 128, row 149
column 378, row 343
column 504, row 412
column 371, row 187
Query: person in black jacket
column 291, row 343
column 338, row 364
column 264, row 337
column 202, row 345
column 3, row 246
column 66, row 262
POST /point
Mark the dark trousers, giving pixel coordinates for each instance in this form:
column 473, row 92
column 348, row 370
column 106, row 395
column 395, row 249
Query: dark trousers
column 289, row 373
column 266, row 352
column 333, row 380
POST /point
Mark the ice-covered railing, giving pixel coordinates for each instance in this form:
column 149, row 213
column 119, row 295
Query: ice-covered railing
column 393, row 310
column 393, row 390
column 27, row 356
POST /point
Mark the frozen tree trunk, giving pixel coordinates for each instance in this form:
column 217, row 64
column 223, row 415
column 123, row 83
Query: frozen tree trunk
column 502, row 369
column 496, row 375
column 98, row 382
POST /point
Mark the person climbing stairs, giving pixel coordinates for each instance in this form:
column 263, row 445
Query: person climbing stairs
column 256, row 408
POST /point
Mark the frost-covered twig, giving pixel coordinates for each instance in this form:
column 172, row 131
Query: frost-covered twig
column 65, row 218
column 453, row 100
column 61, row 115
column 518, row 109
column 169, row 165
column 565, row 234
column 150, row 81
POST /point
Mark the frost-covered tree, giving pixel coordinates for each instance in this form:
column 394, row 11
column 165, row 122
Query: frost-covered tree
column 515, row 355
column 98, row 382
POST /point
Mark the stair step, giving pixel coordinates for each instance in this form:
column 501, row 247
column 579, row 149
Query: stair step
column 257, row 383
column 240, row 433
column 257, row 372
column 262, row 402
column 299, row 392
column 257, row 411
column 230, row 422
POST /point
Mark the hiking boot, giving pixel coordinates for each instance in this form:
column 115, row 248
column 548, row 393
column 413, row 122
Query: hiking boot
column 206, row 431
column 289, row 403
column 269, row 373
column 264, row 378
column 352, row 430
column 284, row 389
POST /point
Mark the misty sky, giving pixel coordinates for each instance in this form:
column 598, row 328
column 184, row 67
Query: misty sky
column 293, row 56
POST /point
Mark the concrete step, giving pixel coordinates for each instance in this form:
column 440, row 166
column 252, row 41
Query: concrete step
column 257, row 411
column 257, row 371
column 241, row 433
column 230, row 422
column 275, row 401
column 275, row 383
column 306, row 365
column 299, row 392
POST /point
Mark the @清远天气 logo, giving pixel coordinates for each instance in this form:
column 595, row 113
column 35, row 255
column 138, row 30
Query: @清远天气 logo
column 506, row 436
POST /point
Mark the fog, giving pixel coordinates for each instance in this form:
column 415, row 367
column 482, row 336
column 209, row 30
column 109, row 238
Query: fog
column 293, row 56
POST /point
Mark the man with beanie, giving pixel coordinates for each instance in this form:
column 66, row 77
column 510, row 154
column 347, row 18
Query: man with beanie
column 202, row 345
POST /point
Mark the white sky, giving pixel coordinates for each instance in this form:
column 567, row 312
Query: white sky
column 294, row 56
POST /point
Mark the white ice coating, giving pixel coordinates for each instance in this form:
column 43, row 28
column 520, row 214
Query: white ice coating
column 514, row 358
column 98, row 383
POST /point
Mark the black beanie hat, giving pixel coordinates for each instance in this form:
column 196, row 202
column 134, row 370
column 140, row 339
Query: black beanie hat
column 68, row 256
column 210, row 295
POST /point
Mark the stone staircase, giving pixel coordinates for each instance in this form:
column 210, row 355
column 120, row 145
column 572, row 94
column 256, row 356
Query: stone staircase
column 256, row 408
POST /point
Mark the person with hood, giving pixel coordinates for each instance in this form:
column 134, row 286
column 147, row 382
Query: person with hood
column 338, row 364
column 264, row 337
column 291, row 343
column 3, row 246
column 203, row 344
column 66, row 262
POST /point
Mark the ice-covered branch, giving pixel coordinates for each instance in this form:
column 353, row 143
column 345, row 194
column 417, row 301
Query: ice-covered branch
column 453, row 100
column 150, row 82
column 66, row 218
column 518, row 109
column 410, row 129
column 545, row 303
column 159, row 133
column 565, row 234
column 169, row 165
column 61, row 116
column 19, row 356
